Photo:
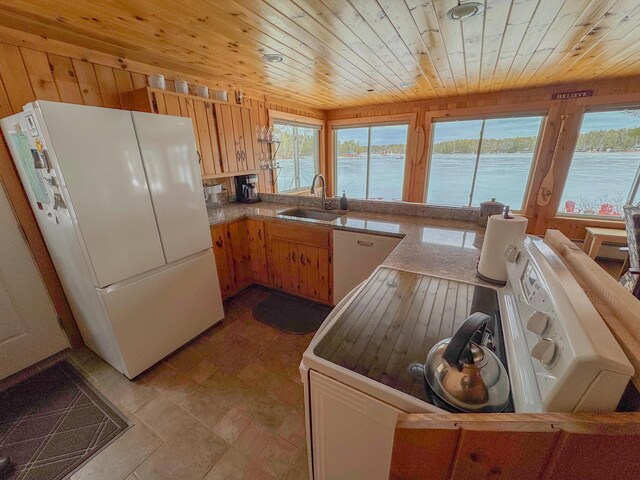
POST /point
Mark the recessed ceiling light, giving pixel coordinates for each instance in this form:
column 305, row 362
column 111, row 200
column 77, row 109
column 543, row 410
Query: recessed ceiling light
column 272, row 57
column 465, row 10
column 407, row 84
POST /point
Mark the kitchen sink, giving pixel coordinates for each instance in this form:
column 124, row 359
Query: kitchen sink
column 310, row 213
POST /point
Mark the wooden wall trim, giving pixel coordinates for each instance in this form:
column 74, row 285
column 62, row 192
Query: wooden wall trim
column 295, row 118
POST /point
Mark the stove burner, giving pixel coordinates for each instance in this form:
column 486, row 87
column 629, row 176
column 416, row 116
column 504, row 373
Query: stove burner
column 397, row 321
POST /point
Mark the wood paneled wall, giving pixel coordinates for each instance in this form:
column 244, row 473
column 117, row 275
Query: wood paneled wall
column 34, row 68
column 620, row 92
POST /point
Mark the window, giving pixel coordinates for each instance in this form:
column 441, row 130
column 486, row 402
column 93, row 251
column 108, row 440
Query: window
column 298, row 155
column 475, row 160
column 605, row 169
column 370, row 161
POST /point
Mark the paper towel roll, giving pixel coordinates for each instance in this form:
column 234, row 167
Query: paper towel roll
column 500, row 233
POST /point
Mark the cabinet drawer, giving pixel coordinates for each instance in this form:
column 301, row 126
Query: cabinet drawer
column 306, row 235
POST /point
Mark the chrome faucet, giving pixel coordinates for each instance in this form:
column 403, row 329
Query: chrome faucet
column 326, row 204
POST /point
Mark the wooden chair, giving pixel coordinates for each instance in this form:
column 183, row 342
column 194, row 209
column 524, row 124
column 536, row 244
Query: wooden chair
column 631, row 279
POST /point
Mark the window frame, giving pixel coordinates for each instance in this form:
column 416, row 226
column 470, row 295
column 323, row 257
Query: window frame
column 296, row 154
column 294, row 120
column 408, row 119
column 635, row 187
column 484, row 117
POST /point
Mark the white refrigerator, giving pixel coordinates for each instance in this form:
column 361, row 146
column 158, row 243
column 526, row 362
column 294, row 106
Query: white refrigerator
column 118, row 198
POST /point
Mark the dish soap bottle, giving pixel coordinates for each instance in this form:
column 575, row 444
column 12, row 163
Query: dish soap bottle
column 344, row 203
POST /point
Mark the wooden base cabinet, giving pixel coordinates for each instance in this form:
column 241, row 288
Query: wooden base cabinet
column 223, row 252
column 258, row 251
column 292, row 258
column 299, row 259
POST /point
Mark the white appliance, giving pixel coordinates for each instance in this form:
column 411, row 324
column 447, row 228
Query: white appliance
column 365, row 365
column 118, row 199
column 355, row 256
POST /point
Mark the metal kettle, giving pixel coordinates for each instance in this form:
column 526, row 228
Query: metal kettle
column 466, row 374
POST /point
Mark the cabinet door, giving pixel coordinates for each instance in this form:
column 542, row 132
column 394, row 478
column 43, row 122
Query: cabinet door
column 224, row 259
column 282, row 258
column 214, row 137
column 258, row 251
column 224, row 121
column 238, row 136
column 191, row 113
column 237, row 235
column 207, row 157
column 290, row 272
column 314, row 273
column 248, row 133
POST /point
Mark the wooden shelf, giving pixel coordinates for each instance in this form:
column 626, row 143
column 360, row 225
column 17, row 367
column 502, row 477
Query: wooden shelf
column 193, row 97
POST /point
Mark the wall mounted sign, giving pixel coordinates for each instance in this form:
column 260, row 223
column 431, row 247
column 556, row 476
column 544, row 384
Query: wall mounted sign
column 570, row 95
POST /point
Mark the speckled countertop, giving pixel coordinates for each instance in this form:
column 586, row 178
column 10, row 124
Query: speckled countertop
column 433, row 246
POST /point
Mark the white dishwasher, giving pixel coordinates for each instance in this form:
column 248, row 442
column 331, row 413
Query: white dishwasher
column 355, row 257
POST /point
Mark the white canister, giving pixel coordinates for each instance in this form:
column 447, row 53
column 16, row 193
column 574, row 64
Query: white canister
column 203, row 91
column 182, row 86
column 157, row 81
column 501, row 232
column 222, row 95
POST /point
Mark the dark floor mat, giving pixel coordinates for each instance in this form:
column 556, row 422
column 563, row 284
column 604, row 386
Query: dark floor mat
column 53, row 422
column 291, row 314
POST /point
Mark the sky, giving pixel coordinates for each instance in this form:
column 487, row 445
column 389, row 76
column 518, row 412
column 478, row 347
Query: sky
column 494, row 128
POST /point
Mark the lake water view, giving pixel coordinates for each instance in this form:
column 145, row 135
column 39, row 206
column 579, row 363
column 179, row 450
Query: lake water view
column 603, row 173
column 503, row 176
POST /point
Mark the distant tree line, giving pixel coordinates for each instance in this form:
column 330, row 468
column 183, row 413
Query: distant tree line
column 595, row 141
column 354, row 147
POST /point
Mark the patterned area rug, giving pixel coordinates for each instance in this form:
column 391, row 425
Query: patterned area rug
column 53, row 422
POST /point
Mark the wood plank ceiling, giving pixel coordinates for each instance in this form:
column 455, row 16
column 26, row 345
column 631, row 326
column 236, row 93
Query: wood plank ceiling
column 340, row 53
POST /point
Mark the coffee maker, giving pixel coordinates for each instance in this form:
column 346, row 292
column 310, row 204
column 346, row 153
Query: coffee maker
column 247, row 188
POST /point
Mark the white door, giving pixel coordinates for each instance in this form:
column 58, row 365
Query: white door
column 170, row 159
column 97, row 154
column 29, row 329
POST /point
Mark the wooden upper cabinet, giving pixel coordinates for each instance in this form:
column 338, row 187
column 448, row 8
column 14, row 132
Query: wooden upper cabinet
column 236, row 128
column 225, row 133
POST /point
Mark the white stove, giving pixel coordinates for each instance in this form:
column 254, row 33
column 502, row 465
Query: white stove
column 364, row 366
column 562, row 356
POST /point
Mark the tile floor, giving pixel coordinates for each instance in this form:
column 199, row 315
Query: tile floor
column 229, row 405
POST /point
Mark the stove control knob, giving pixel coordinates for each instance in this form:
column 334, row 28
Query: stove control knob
column 545, row 351
column 512, row 253
column 538, row 323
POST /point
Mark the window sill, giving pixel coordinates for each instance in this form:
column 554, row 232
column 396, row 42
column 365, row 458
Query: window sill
column 589, row 218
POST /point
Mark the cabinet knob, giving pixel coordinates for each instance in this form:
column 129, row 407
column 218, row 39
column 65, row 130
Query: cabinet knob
column 219, row 243
column 302, row 259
